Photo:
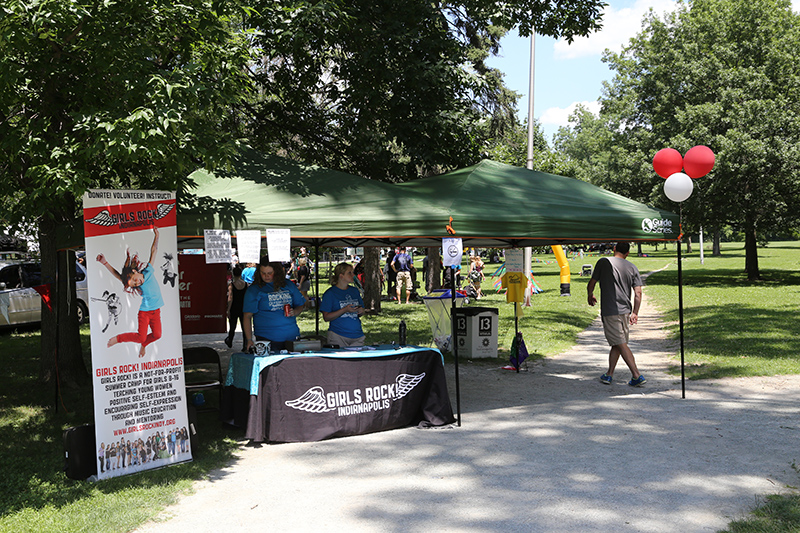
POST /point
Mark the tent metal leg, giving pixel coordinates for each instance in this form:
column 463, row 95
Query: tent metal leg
column 455, row 343
column 680, row 315
column 316, row 287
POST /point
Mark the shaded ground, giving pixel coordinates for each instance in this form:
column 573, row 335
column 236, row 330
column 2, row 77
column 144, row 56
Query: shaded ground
column 551, row 449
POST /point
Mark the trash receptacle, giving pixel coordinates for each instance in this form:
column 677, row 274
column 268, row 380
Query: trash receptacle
column 438, row 304
column 476, row 331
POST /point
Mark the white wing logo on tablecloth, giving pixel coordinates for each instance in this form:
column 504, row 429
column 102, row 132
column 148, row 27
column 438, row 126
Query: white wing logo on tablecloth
column 406, row 382
column 313, row 401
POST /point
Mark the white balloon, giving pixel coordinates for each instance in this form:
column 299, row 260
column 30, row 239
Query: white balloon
column 678, row 187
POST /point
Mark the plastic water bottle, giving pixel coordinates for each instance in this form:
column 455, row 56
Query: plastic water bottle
column 402, row 332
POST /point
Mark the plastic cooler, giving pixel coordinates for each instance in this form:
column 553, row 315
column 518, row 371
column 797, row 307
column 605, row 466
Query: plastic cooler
column 438, row 304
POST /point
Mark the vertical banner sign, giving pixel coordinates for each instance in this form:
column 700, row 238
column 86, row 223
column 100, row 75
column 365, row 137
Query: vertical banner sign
column 279, row 242
column 248, row 243
column 218, row 246
column 203, row 294
column 137, row 365
column 452, row 249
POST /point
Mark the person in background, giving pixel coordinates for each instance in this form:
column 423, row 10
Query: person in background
column 303, row 277
column 359, row 272
column 343, row 307
column 390, row 275
column 236, row 291
column 476, row 275
column 401, row 265
column 271, row 304
column 248, row 273
column 617, row 276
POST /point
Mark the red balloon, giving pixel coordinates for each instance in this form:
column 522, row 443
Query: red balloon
column 667, row 162
column 698, row 161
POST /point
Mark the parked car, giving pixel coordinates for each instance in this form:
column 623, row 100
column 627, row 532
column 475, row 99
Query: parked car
column 11, row 258
column 20, row 304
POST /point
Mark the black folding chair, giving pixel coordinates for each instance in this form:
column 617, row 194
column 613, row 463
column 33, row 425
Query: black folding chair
column 205, row 373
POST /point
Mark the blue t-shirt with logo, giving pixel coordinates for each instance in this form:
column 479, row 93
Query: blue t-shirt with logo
column 347, row 325
column 266, row 304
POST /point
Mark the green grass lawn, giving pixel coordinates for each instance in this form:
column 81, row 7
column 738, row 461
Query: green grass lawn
column 732, row 328
column 549, row 325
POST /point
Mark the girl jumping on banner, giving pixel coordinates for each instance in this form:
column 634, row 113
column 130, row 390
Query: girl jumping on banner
column 139, row 278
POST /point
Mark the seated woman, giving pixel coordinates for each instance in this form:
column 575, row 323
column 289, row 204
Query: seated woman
column 270, row 306
column 342, row 306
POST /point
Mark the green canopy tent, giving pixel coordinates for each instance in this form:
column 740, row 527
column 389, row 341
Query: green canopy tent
column 492, row 205
column 487, row 205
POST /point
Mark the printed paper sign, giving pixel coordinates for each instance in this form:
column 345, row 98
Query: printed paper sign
column 279, row 243
column 218, row 246
column 249, row 244
column 452, row 249
column 137, row 365
column 515, row 260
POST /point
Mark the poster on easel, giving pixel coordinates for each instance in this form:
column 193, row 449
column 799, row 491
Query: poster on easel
column 140, row 414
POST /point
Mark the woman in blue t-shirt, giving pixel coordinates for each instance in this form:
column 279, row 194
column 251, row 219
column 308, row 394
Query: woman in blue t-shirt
column 342, row 306
column 271, row 304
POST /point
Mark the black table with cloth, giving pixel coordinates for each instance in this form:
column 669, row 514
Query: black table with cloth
column 334, row 393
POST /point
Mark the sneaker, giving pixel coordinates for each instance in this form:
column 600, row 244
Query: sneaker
column 638, row 382
column 605, row 378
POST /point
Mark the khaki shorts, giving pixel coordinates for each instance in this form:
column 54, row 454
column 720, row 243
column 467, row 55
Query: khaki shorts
column 335, row 338
column 404, row 276
column 617, row 329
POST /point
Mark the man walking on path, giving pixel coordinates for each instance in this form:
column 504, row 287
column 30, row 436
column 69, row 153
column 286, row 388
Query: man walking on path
column 617, row 276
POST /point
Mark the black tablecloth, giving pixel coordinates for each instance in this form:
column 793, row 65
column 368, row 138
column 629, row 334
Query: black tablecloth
column 312, row 398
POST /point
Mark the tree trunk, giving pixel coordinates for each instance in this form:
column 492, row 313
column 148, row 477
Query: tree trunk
column 688, row 244
column 433, row 273
column 639, row 249
column 751, row 255
column 61, row 357
column 372, row 279
column 716, row 250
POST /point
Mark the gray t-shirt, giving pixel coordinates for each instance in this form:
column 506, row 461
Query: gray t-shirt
column 617, row 277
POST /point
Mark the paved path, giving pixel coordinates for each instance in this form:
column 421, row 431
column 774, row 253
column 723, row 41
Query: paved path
column 550, row 450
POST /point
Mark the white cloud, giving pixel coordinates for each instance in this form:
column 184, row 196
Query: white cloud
column 619, row 26
column 558, row 116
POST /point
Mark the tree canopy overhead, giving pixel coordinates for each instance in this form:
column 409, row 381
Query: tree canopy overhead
column 130, row 94
column 391, row 90
column 722, row 73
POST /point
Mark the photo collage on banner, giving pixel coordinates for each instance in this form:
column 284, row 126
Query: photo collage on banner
column 140, row 413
